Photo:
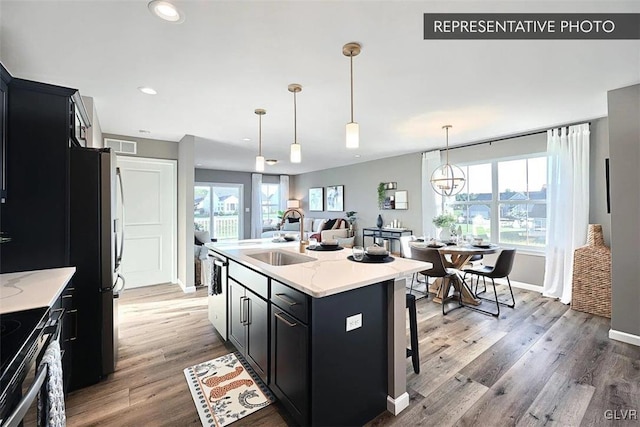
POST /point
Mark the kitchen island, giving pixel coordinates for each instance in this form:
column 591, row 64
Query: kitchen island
column 326, row 334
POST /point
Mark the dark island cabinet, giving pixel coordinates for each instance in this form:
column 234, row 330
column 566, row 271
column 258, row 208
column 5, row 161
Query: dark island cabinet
column 290, row 363
column 249, row 326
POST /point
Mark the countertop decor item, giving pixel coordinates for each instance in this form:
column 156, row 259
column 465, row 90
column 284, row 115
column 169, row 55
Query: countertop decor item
column 367, row 260
column 447, row 179
column 379, row 221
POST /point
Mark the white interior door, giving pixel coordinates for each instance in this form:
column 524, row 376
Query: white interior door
column 150, row 223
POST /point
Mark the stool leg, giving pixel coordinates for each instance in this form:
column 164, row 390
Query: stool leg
column 413, row 332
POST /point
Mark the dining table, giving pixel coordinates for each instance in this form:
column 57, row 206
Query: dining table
column 456, row 256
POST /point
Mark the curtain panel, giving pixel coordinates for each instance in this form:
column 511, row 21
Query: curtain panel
column 567, row 206
column 431, row 201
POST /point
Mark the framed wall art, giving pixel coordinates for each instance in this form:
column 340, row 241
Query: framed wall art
column 316, row 199
column 335, row 198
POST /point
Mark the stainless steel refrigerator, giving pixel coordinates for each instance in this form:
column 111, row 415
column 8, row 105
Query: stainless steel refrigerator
column 96, row 247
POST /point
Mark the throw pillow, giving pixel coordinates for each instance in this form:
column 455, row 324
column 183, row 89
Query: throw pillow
column 291, row 226
column 290, row 219
column 329, row 224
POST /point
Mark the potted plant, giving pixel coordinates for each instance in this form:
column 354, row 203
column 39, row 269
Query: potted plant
column 444, row 221
column 382, row 187
column 351, row 218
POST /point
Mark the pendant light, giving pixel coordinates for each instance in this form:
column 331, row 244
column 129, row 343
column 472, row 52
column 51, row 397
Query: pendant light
column 353, row 128
column 448, row 179
column 296, row 153
column 259, row 158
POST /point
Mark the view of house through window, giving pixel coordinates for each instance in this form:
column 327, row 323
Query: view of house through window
column 218, row 210
column 504, row 201
column 270, row 206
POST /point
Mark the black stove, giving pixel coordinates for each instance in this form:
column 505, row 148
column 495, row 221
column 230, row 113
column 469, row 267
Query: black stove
column 20, row 336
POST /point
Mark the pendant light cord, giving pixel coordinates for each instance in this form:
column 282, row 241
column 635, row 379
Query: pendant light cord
column 295, row 119
column 260, row 135
column 351, row 63
column 447, row 133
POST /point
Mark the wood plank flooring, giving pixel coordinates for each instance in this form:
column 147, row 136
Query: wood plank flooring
column 538, row 364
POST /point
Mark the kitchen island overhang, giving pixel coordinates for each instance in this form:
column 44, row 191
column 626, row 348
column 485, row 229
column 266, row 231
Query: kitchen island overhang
column 332, row 282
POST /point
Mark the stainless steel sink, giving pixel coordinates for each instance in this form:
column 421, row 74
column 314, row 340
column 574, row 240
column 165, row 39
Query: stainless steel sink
column 280, row 257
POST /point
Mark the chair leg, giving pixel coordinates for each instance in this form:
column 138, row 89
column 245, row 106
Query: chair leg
column 413, row 333
column 513, row 300
column 446, row 292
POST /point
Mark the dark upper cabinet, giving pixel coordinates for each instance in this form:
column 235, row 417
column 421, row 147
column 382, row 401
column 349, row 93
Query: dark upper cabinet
column 35, row 215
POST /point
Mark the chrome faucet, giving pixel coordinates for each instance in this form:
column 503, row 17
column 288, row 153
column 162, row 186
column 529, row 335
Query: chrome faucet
column 303, row 243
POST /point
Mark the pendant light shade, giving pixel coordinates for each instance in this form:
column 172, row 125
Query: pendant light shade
column 448, row 179
column 260, row 158
column 296, row 152
column 353, row 128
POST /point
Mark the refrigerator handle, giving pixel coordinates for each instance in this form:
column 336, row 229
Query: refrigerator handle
column 119, row 253
column 117, row 289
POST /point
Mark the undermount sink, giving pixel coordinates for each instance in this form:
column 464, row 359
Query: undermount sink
column 280, row 258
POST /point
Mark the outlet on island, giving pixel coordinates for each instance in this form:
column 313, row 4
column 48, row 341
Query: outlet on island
column 354, row 322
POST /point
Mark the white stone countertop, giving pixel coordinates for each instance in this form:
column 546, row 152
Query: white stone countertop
column 329, row 273
column 31, row 289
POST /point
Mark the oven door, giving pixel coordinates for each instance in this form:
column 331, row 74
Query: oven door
column 34, row 382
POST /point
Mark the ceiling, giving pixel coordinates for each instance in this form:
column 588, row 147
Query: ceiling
column 230, row 57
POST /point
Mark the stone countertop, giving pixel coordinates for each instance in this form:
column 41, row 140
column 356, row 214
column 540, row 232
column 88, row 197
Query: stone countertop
column 329, row 273
column 31, row 289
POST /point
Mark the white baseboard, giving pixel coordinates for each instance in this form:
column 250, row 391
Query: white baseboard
column 399, row 404
column 186, row 289
column 624, row 337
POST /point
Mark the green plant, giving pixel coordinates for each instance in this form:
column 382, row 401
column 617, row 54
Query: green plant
column 351, row 216
column 444, row 220
column 381, row 194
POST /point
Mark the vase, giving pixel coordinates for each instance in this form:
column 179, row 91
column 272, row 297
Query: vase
column 379, row 221
column 445, row 234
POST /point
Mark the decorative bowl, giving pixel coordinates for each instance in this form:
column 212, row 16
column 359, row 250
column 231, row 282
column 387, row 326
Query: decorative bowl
column 329, row 242
column 376, row 250
column 289, row 237
column 376, row 256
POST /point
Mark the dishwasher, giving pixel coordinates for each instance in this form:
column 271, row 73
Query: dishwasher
column 216, row 269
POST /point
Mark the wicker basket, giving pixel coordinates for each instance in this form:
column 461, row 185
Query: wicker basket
column 591, row 291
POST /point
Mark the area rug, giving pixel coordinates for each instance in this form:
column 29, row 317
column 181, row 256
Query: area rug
column 226, row 389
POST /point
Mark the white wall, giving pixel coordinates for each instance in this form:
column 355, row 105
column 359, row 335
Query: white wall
column 186, row 268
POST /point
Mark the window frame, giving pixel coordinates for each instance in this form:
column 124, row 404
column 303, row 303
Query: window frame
column 268, row 205
column 495, row 203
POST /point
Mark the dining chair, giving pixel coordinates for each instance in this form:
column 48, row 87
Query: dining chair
column 501, row 269
column 405, row 242
column 437, row 270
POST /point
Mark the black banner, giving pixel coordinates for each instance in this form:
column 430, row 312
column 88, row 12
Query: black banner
column 532, row 26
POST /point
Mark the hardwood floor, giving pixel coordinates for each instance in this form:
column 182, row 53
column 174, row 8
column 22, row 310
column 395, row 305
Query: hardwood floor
column 538, row 364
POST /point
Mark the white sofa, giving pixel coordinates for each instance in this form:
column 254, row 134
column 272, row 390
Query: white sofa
column 312, row 226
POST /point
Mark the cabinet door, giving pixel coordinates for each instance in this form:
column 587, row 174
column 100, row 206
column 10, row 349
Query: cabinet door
column 289, row 363
column 258, row 334
column 237, row 315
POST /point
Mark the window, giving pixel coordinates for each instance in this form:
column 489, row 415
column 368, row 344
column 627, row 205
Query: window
column 270, row 206
column 504, row 201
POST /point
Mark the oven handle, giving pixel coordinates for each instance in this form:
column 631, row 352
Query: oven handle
column 53, row 325
column 30, row 396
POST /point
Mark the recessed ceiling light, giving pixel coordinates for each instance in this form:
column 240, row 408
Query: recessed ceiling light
column 246, row 139
column 198, row 164
column 271, row 162
column 357, row 156
column 166, row 11
column 144, row 131
column 147, row 90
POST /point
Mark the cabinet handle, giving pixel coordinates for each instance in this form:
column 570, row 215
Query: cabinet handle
column 75, row 325
column 248, row 311
column 279, row 316
column 242, row 320
column 286, row 300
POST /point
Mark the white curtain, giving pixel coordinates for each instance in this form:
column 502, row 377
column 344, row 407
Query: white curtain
column 431, row 201
column 567, row 206
column 256, row 205
column 284, row 191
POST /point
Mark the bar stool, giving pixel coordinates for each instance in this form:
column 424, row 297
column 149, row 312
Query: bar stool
column 413, row 352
